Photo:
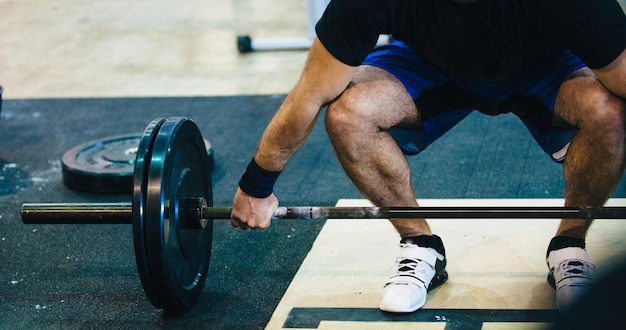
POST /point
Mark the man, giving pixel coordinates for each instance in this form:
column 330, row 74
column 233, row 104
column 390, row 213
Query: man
column 559, row 65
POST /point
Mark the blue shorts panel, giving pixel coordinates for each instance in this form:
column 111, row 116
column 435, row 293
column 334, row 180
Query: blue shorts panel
column 400, row 60
column 444, row 100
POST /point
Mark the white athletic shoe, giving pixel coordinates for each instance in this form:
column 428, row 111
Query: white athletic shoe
column 418, row 269
column 570, row 274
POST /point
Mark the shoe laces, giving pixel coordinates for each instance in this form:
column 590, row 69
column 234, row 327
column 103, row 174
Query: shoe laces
column 411, row 266
column 408, row 266
column 411, row 270
column 576, row 267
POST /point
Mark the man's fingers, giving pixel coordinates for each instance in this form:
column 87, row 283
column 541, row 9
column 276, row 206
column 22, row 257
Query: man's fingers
column 238, row 223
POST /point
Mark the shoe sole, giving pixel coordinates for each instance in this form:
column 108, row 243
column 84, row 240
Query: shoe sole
column 438, row 280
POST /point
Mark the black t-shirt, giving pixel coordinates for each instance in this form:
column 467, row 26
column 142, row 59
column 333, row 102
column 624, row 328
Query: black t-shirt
column 482, row 40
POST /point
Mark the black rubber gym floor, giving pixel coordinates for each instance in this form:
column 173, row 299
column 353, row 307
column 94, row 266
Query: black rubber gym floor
column 84, row 276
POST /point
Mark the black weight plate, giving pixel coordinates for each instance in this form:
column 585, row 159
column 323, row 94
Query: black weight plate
column 106, row 165
column 140, row 178
column 176, row 259
column 101, row 166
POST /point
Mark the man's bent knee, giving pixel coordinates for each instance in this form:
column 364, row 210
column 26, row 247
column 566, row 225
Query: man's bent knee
column 343, row 113
column 607, row 115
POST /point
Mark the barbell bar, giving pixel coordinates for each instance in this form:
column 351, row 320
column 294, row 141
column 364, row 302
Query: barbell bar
column 121, row 213
column 172, row 213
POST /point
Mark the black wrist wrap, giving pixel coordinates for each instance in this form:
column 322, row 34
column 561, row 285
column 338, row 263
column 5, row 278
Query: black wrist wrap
column 258, row 182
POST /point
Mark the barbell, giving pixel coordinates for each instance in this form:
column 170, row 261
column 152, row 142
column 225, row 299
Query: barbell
column 172, row 213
